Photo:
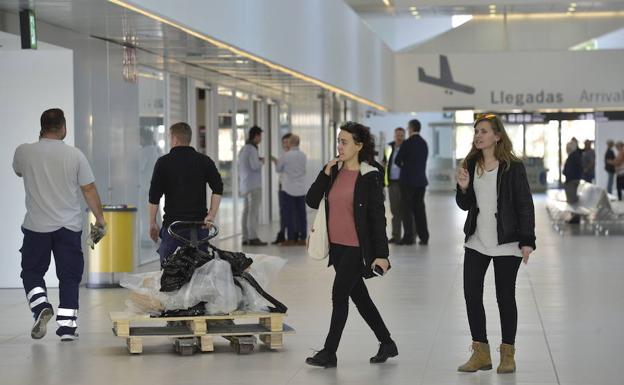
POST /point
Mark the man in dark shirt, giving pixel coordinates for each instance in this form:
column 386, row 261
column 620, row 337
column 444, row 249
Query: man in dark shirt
column 609, row 166
column 181, row 176
column 412, row 159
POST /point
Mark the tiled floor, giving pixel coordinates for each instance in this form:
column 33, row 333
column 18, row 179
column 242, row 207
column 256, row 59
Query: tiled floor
column 570, row 332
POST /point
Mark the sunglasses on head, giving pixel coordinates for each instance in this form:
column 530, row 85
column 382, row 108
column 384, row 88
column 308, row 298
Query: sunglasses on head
column 485, row 116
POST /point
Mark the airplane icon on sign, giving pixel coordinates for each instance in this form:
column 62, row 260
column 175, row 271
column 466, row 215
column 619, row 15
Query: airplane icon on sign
column 445, row 80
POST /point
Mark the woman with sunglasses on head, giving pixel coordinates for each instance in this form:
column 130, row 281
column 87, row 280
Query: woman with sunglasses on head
column 356, row 224
column 492, row 186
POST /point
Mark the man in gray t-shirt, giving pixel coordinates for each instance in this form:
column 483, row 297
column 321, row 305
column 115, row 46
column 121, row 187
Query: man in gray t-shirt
column 55, row 175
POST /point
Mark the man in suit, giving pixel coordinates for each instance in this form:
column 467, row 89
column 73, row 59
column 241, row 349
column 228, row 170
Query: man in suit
column 393, row 173
column 412, row 159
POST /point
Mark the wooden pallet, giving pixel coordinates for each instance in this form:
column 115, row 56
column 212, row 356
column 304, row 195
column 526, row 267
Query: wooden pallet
column 270, row 329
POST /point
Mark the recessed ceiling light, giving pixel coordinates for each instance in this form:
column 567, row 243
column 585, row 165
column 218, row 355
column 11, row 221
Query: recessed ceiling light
column 572, row 4
column 412, row 8
column 414, row 13
column 493, row 6
column 571, row 9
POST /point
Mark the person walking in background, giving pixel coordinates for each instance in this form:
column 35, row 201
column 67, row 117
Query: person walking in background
column 412, row 159
column 589, row 162
column 181, row 176
column 250, row 186
column 292, row 169
column 573, row 172
column 618, row 162
column 281, row 235
column 609, row 166
column 55, row 175
column 492, row 186
column 392, row 175
column 356, row 224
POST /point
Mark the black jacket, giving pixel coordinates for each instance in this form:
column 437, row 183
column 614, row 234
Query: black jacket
column 413, row 162
column 515, row 217
column 573, row 166
column 368, row 209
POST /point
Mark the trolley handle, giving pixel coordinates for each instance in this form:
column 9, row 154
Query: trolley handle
column 194, row 226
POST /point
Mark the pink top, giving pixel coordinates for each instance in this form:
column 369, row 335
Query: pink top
column 341, row 218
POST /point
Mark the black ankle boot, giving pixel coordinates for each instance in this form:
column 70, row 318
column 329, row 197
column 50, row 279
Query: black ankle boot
column 279, row 239
column 324, row 359
column 386, row 350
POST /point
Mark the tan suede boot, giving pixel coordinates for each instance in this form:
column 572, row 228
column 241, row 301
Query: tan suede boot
column 507, row 362
column 480, row 359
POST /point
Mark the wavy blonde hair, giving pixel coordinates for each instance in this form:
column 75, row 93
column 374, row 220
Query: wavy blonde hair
column 503, row 152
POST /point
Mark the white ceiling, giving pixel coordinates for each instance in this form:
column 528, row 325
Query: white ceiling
column 522, row 25
column 164, row 47
column 451, row 7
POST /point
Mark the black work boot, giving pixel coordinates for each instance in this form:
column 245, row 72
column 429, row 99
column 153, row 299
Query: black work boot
column 279, row 239
column 386, row 350
column 324, row 359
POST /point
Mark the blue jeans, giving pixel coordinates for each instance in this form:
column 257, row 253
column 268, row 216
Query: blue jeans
column 295, row 215
column 169, row 244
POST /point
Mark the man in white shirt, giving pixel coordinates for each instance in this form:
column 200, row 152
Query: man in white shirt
column 281, row 235
column 250, row 186
column 292, row 168
column 54, row 175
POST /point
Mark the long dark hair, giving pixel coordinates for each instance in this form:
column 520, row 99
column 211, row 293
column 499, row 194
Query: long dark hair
column 361, row 134
column 504, row 148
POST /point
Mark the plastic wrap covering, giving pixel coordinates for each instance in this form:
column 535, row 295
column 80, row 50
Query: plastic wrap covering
column 180, row 266
column 212, row 283
column 226, row 296
column 263, row 270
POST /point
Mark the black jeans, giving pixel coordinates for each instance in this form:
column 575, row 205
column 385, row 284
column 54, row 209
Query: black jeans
column 505, row 273
column 619, row 181
column 413, row 206
column 347, row 262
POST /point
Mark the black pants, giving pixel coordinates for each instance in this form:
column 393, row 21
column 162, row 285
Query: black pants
column 620, row 186
column 413, row 205
column 36, row 256
column 505, row 273
column 347, row 262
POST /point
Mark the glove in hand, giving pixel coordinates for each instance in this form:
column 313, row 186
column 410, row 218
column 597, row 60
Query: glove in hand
column 96, row 233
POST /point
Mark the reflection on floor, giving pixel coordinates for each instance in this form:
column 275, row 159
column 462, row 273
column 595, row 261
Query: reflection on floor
column 569, row 299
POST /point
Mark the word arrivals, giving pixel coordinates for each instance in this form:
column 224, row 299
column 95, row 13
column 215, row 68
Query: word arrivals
column 602, row 97
column 521, row 99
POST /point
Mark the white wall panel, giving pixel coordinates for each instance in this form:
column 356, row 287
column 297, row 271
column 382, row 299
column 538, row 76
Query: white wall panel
column 30, row 83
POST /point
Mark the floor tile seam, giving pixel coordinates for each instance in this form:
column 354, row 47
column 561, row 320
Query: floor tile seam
column 539, row 314
column 439, row 324
column 292, row 378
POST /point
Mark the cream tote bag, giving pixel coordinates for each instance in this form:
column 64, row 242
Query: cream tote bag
column 318, row 240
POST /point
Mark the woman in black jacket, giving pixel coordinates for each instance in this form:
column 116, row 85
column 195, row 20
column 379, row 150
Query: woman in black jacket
column 356, row 224
column 492, row 186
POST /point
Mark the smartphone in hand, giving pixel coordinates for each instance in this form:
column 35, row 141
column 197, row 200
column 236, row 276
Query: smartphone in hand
column 378, row 271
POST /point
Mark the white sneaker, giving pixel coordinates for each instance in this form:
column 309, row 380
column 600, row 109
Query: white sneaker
column 69, row 337
column 39, row 328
